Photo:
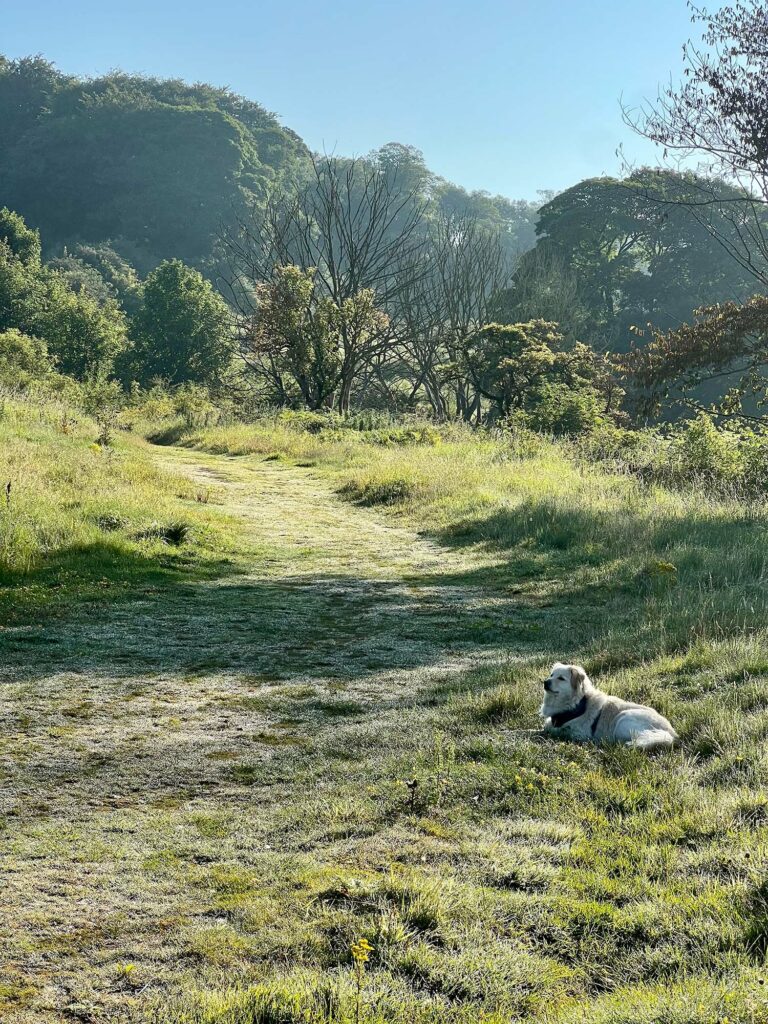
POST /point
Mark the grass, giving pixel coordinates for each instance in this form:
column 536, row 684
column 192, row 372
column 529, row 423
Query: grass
column 217, row 788
column 90, row 522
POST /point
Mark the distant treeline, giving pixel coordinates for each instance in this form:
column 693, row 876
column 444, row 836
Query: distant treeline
column 157, row 167
column 154, row 230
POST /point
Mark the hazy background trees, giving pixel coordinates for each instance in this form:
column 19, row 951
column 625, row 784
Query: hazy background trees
column 171, row 232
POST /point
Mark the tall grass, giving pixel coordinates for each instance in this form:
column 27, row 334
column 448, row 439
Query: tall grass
column 76, row 515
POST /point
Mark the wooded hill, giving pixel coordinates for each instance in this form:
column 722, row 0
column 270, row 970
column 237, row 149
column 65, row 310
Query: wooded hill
column 157, row 167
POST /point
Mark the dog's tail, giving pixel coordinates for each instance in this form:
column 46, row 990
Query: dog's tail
column 653, row 739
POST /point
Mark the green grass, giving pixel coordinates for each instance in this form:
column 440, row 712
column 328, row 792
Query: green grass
column 217, row 788
column 87, row 523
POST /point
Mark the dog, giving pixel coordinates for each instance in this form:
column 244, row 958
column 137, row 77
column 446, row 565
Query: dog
column 575, row 709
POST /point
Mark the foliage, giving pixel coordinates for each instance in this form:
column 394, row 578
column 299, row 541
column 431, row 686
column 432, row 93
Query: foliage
column 290, row 342
column 723, row 340
column 93, row 160
column 102, row 273
column 102, row 399
column 718, row 114
column 181, row 329
column 613, row 254
column 524, row 369
column 24, row 361
column 82, row 335
column 22, row 241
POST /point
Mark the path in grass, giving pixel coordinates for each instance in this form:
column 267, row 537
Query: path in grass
column 138, row 740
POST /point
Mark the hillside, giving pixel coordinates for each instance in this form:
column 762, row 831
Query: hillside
column 157, row 167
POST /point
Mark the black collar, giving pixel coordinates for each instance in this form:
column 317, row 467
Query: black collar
column 562, row 717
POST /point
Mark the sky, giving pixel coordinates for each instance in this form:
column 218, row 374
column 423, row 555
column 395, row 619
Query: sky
column 510, row 96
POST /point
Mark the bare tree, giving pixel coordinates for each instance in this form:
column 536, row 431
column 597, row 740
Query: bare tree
column 357, row 229
column 440, row 309
column 719, row 114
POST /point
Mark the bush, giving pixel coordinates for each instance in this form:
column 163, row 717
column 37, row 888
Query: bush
column 24, row 361
column 561, row 409
column 312, row 422
column 389, row 490
column 103, row 399
column 703, row 452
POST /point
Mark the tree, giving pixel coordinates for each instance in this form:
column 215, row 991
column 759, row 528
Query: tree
column 720, row 113
column 524, row 369
column 359, row 232
column 545, row 287
column 81, row 335
column 288, row 343
column 24, row 361
column 101, row 272
column 22, row 242
column 441, row 308
column 181, row 331
column 724, row 344
column 97, row 159
column 295, row 341
column 613, row 254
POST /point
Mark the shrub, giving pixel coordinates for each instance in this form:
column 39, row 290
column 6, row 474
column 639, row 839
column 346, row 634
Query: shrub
column 706, row 453
column 562, row 409
column 24, row 361
column 103, row 399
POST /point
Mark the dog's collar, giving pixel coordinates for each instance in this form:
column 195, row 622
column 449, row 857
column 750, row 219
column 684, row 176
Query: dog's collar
column 563, row 717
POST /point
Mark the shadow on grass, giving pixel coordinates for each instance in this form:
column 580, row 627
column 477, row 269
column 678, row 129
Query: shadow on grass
column 573, row 578
column 99, row 573
column 313, row 627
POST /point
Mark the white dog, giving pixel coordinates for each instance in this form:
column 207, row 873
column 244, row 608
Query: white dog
column 577, row 710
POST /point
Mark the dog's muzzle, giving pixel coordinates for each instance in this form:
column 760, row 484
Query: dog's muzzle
column 548, row 685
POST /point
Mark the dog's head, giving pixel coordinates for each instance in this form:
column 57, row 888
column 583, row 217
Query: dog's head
column 564, row 687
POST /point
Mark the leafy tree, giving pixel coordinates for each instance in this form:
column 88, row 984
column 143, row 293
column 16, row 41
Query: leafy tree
column 102, row 273
column 83, row 336
column 181, row 330
column 719, row 113
column 24, row 361
column 728, row 342
column 288, row 344
column 21, row 290
column 22, row 242
column 623, row 253
column 361, row 236
column 27, row 88
column 296, row 340
column 90, row 160
column 523, row 369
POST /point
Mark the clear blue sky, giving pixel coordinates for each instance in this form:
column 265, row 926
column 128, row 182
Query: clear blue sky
column 507, row 95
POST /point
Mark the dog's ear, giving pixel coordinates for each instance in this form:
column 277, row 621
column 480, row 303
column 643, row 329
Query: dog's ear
column 578, row 675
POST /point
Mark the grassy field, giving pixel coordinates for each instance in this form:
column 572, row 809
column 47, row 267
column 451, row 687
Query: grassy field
column 267, row 693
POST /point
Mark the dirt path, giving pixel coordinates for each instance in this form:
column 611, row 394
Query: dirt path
column 139, row 731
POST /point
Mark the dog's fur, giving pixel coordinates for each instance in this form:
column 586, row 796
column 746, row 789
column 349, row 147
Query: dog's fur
column 575, row 709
